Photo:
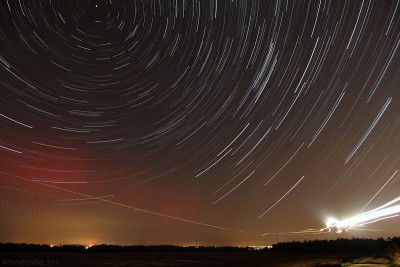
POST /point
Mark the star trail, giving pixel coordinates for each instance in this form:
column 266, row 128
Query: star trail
column 198, row 122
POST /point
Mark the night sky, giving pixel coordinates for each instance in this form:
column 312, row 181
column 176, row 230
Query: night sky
column 197, row 122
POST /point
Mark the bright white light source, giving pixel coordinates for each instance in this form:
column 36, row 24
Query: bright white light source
column 386, row 211
column 383, row 212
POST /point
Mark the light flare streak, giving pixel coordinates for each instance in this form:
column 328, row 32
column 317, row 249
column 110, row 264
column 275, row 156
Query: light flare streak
column 383, row 212
column 357, row 222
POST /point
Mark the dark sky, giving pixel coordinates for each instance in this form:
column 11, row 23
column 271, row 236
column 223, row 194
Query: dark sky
column 216, row 122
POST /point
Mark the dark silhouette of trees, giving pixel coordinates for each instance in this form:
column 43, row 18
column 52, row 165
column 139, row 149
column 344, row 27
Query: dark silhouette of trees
column 339, row 245
column 163, row 248
column 357, row 245
column 22, row 247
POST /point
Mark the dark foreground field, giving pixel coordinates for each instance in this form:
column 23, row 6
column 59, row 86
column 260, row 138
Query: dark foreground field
column 200, row 259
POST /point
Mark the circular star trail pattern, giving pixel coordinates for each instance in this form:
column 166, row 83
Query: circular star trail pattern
column 132, row 121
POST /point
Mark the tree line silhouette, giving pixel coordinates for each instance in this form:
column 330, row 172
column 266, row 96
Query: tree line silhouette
column 339, row 245
column 23, row 247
